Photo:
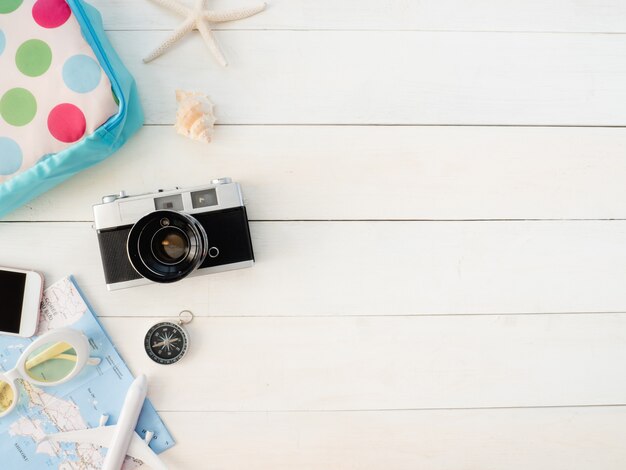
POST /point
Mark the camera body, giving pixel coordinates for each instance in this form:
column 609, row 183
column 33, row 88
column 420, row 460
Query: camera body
column 168, row 235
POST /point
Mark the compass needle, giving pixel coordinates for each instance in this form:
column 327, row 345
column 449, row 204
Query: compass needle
column 167, row 342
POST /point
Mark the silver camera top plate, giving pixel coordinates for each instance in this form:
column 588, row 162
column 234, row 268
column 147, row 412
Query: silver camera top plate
column 121, row 209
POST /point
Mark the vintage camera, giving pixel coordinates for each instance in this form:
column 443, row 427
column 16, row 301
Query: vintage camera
column 168, row 235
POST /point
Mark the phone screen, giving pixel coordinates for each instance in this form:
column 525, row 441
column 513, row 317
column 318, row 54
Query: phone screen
column 12, row 295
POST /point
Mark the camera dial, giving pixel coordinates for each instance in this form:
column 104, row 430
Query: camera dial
column 114, row 197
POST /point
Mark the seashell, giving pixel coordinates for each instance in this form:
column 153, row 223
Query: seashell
column 194, row 118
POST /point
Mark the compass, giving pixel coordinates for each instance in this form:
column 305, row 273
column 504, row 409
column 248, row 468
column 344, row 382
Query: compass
column 167, row 342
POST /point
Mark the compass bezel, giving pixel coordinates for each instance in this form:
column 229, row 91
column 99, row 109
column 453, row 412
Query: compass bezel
column 174, row 359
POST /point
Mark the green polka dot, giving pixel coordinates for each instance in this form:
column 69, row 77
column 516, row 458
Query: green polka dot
column 8, row 6
column 33, row 57
column 18, row 107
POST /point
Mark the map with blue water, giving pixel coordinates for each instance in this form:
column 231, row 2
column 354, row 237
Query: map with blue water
column 79, row 404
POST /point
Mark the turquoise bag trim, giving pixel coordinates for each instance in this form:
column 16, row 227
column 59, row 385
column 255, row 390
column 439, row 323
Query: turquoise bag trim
column 52, row 170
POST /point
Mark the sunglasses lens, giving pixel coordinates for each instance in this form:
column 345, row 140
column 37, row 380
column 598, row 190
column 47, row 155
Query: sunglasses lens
column 6, row 396
column 51, row 363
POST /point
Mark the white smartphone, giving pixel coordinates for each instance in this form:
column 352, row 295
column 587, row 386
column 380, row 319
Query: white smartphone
column 21, row 292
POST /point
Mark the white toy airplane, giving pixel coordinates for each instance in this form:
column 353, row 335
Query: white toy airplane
column 121, row 439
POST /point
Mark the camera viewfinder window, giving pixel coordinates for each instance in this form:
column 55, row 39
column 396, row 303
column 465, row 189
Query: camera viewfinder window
column 170, row 203
column 204, row 198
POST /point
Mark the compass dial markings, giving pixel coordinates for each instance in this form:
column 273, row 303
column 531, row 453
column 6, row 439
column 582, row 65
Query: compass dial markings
column 166, row 343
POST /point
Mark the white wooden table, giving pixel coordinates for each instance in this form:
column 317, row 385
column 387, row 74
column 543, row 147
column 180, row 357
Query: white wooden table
column 438, row 203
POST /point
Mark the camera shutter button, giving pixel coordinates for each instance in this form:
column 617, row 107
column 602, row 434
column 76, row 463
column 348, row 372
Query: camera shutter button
column 114, row 197
column 222, row 181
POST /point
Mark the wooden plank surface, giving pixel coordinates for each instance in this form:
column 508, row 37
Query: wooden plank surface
column 388, row 77
column 558, row 439
column 350, row 363
column 457, row 15
column 326, row 172
column 364, row 268
column 404, row 311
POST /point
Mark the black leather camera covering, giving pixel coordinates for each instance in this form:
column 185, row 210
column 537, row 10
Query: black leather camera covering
column 227, row 230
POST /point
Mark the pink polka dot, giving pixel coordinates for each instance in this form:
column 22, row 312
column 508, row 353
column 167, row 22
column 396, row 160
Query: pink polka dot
column 51, row 13
column 66, row 123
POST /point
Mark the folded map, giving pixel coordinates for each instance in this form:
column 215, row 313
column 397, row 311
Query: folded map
column 75, row 405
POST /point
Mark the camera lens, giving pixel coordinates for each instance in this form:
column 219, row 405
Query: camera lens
column 166, row 246
column 170, row 245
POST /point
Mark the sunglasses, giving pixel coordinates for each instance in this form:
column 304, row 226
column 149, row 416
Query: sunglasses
column 52, row 359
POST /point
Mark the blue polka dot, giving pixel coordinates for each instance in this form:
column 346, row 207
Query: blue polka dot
column 3, row 42
column 81, row 73
column 10, row 156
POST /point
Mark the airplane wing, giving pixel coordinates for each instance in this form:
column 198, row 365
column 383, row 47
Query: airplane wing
column 142, row 451
column 102, row 436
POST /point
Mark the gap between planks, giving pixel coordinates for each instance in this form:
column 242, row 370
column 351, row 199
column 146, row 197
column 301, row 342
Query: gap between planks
column 370, row 315
column 371, row 30
column 400, row 410
column 567, row 16
column 341, row 220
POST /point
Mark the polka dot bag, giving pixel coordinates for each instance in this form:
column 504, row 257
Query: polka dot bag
column 66, row 100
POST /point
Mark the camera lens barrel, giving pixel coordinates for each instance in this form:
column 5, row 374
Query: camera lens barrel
column 166, row 246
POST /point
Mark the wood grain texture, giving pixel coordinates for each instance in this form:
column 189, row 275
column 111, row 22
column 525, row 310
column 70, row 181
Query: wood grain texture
column 348, row 363
column 558, row 439
column 409, row 78
column 458, row 15
column 384, row 342
column 322, row 172
column 364, row 268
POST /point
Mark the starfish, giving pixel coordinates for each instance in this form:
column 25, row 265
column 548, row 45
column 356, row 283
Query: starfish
column 200, row 18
